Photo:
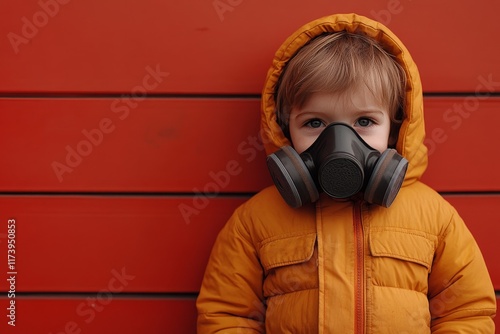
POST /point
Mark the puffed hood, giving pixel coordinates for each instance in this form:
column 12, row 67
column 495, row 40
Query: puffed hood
column 410, row 143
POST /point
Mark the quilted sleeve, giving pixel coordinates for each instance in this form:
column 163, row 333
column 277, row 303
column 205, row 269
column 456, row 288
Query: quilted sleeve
column 461, row 294
column 231, row 293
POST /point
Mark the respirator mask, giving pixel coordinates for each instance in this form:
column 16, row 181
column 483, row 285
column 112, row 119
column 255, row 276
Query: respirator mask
column 341, row 164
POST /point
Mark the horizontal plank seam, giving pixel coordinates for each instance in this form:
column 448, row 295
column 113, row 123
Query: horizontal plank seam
column 128, row 194
column 461, row 94
column 89, row 95
column 122, row 295
column 191, row 194
column 124, row 94
column 470, row 193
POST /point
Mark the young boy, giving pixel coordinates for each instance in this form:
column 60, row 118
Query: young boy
column 386, row 256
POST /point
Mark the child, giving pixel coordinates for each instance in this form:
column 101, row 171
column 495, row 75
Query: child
column 370, row 251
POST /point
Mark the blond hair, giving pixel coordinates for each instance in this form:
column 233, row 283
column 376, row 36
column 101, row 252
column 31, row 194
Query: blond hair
column 335, row 63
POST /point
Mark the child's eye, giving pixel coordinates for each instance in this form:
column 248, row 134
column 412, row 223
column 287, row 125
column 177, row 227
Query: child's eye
column 364, row 122
column 314, row 123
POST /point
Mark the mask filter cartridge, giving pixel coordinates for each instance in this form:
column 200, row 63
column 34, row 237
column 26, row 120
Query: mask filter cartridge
column 341, row 164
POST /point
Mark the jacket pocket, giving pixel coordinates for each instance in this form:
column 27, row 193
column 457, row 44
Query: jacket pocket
column 290, row 263
column 401, row 258
column 411, row 246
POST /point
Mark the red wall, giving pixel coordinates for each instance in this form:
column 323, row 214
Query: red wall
column 118, row 116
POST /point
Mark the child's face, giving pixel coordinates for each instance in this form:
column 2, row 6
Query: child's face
column 357, row 108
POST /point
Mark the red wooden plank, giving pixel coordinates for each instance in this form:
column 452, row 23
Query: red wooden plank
column 154, row 244
column 80, row 243
column 110, row 314
column 221, row 46
column 462, row 142
column 202, row 145
column 154, row 145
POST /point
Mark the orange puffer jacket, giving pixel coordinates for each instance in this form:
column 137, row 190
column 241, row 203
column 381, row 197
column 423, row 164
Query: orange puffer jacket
column 347, row 266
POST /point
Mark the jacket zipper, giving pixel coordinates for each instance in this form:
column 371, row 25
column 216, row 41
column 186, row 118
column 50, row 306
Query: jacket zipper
column 359, row 288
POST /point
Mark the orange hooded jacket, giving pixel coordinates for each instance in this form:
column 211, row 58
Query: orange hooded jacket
column 347, row 266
